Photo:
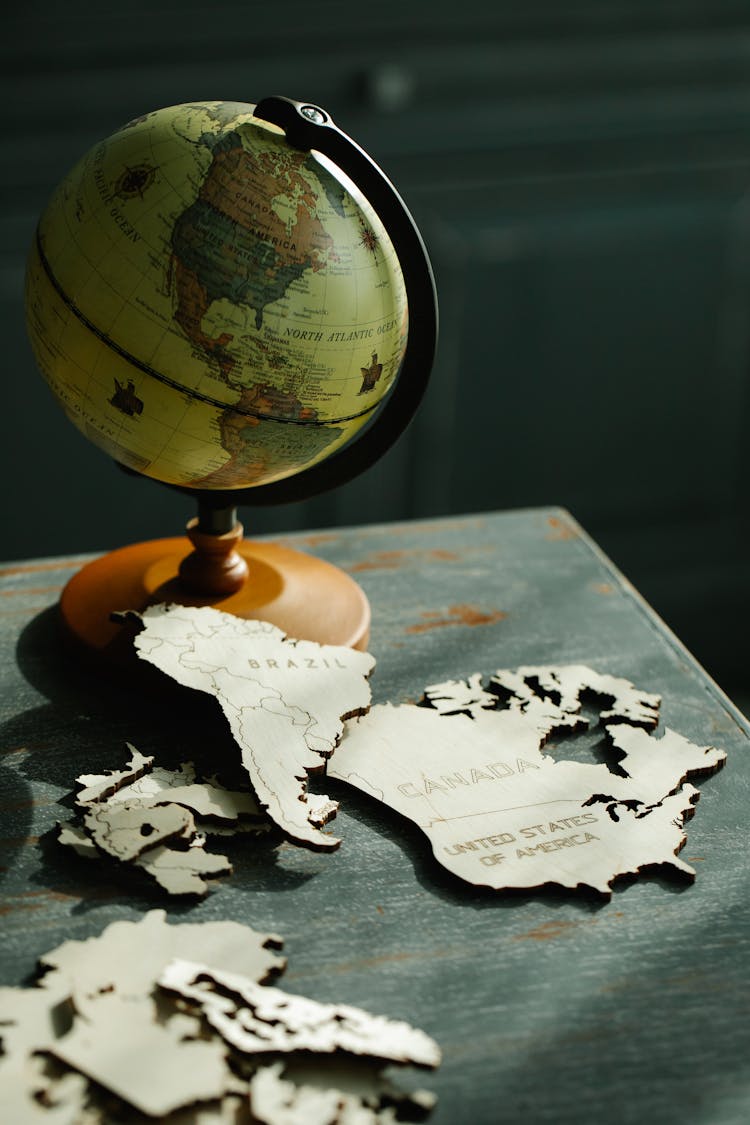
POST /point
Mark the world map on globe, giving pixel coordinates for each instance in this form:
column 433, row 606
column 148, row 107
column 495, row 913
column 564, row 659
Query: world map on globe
column 210, row 306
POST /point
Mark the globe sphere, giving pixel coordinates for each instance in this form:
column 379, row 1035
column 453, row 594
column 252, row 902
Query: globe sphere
column 212, row 307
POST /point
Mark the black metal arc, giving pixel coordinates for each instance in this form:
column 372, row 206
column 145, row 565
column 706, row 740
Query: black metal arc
column 310, row 128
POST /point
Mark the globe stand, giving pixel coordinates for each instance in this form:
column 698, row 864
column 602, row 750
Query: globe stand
column 308, row 598
column 214, row 566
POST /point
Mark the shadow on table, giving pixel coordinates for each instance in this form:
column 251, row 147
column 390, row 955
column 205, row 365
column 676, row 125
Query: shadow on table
column 17, row 804
column 95, row 709
column 94, row 712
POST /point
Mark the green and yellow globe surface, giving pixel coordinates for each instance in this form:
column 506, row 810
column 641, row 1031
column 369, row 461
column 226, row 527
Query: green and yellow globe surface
column 210, row 306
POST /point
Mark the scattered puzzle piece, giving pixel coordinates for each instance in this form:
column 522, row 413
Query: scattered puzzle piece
column 470, row 771
column 30, row 1095
column 322, row 809
column 295, row 1096
column 257, row 1018
column 127, row 957
column 126, row 830
column 32, row 1017
column 179, row 787
column 230, row 1110
column 71, row 836
column 183, row 872
column 98, row 787
column 132, row 815
column 154, row 1066
column 97, row 1039
column 274, row 1101
column 285, row 700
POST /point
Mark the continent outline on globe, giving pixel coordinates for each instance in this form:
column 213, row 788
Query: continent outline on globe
column 249, row 384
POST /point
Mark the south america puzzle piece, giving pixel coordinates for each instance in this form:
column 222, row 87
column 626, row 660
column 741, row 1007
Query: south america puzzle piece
column 285, row 700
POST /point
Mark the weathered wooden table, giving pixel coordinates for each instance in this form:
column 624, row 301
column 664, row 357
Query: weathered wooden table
column 549, row 1007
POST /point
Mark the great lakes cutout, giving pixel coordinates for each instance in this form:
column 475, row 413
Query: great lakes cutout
column 469, row 769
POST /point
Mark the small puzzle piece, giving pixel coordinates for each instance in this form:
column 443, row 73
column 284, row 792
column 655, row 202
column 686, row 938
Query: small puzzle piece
column 134, row 814
column 183, row 872
column 125, row 831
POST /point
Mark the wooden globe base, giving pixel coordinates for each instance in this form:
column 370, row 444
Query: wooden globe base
column 306, row 597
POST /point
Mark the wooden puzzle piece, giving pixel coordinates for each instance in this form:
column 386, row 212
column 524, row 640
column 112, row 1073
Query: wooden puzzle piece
column 470, row 771
column 31, row 1017
column 154, row 1066
column 128, row 829
column 30, row 1095
column 132, row 815
column 99, row 1038
column 72, row 836
column 183, row 872
column 98, row 787
column 258, row 1018
column 179, row 786
column 127, row 957
column 285, row 700
column 282, row 1095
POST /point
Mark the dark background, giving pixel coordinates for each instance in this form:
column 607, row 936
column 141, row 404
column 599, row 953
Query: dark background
column 580, row 173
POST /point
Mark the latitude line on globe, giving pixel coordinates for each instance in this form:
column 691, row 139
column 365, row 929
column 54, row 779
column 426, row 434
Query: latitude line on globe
column 161, row 377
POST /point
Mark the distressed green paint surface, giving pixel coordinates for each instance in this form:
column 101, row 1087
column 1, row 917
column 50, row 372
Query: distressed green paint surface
column 549, row 1007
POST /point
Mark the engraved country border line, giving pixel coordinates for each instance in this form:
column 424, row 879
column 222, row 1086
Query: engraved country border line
column 162, row 378
column 510, row 808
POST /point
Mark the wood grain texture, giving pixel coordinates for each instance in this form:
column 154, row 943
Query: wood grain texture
column 548, row 1008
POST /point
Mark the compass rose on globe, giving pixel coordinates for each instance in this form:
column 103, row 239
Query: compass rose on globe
column 233, row 300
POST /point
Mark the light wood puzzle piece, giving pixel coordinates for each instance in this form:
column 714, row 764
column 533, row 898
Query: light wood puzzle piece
column 285, row 700
column 30, row 1095
column 101, row 786
column 161, row 786
column 98, row 1024
column 72, row 836
column 30, row 1018
column 275, row 1101
column 126, row 830
column 144, row 781
column 127, row 957
column 120, row 1037
column 183, row 872
column 156, row 1067
column 255, row 1019
column 297, row 1095
column 501, row 813
column 132, row 814
column 95, row 1009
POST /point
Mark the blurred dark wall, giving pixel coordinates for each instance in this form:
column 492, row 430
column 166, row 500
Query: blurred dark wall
column 580, row 172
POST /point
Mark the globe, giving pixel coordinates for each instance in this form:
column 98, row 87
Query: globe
column 234, row 300
column 211, row 306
